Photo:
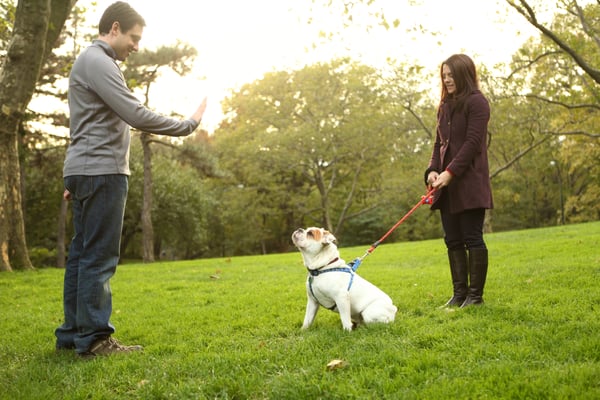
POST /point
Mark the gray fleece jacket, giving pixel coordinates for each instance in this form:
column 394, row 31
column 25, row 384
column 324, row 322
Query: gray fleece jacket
column 102, row 109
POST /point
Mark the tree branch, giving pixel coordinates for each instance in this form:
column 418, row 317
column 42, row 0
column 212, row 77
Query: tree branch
column 573, row 133
column 519, row 155
column 530, row 62
column 586, row 27
column 561, row 104
column 527, row 11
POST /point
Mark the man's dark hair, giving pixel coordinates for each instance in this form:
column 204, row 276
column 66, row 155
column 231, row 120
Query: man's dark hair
column 122, row 13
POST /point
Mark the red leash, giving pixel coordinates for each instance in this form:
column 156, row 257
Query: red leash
column 426, row 199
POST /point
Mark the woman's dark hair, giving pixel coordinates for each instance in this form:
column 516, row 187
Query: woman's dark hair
column 122, row 13
column 464, row 74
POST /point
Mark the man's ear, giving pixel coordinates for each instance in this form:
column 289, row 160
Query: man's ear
column 115, row 28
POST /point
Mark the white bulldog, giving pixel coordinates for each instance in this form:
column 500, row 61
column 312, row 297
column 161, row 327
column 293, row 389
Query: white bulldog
column 334, row 285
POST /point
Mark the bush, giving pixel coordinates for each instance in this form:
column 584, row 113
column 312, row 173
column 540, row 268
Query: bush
column 42, row 258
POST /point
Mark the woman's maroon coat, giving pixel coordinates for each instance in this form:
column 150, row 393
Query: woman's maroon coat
column 461, row 148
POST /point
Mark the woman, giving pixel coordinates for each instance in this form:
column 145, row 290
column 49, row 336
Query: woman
column 459, row 172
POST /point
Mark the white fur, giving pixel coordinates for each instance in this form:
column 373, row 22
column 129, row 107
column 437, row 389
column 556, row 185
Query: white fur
column 364, row 302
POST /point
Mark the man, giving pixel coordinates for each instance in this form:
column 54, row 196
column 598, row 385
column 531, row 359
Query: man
column 96, row 172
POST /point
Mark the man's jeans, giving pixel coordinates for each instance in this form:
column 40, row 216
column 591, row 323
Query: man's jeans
column 98, row 210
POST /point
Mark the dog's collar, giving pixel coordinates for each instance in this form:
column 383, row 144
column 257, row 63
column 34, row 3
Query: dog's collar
column 331, row 262
column 316, row 270
column 319, row 271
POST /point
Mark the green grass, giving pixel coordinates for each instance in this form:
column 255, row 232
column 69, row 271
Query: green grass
column 238, row 337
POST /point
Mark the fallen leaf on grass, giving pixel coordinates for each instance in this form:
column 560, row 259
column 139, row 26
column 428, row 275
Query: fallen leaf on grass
column 336, row 364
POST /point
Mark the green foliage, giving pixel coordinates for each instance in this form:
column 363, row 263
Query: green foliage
column 315, row 146
column 43, row 193
column 181, row 206
column 42, row 257
column 6, row 23
column 565, row 96
column 52, row 80
column 230, row 328
column 580, row 171
column 142, row 67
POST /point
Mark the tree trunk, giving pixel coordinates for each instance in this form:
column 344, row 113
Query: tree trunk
column 37, row 26
column 13, row 248
column 62, row 231
column 487, row 222
column 19, row 74
column 147, row 228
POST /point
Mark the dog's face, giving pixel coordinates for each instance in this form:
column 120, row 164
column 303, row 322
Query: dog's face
column 317, row 245
column 312, row 239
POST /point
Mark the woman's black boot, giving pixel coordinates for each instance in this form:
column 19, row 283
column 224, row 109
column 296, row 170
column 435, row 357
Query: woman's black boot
column 459, row 269
column 478, row 266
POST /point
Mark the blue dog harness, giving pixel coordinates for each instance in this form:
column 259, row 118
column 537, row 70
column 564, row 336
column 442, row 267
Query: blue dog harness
column 316, row 272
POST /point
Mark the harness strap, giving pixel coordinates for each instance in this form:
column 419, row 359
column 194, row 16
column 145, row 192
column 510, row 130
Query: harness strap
column 317, row 272
column 314, row 273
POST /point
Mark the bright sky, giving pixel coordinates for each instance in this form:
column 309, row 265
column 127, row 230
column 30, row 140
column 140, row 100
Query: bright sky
column 239, row 40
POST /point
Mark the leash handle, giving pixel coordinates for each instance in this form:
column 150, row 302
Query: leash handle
column 428, row 198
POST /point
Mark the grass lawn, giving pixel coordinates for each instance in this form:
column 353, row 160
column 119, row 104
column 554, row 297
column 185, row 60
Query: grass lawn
column 239, row 337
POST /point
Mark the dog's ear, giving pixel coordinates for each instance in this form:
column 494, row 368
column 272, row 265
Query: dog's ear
column 315, row 233
column 328, row 238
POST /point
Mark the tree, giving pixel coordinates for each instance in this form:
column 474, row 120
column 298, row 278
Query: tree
column 37, row 26
column 310, row 147
column 584, row 19
column 181, row 206
column 563, row 80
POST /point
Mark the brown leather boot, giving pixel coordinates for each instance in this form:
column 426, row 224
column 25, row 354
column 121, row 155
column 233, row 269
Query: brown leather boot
column 478, row 266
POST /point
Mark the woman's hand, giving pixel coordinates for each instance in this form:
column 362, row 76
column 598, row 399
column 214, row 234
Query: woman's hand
column 441, row 180
column 431, row 178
